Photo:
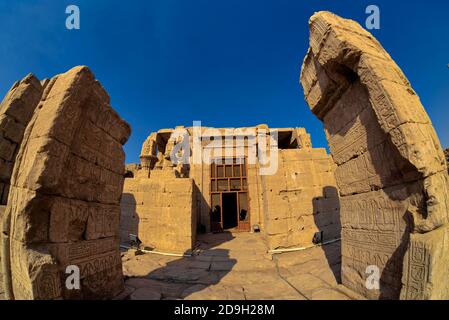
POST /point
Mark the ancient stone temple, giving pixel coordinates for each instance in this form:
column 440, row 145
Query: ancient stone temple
column 228, row 184
column 391, row 171
column 68, row 202
column 65, row 188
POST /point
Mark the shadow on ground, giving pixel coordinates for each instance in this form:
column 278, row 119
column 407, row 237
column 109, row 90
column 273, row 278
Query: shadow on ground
column 154, row 277
column 234, row 267
column 327, row 219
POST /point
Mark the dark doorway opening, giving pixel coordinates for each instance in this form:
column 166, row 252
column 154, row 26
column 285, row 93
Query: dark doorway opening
column 230, row 220
column 229, row 206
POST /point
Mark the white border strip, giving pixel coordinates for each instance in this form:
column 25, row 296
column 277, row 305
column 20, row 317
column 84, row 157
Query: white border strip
column 159, row 252
column 302, row 248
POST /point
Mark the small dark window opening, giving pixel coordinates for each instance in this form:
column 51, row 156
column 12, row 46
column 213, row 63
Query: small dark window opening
column 286, row 141
column 129, row 174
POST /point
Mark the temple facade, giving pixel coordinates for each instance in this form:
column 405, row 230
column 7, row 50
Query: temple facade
column 255, row 179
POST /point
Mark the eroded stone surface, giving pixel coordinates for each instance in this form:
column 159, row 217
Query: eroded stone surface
column 446, row 153
column 65, row 193
column 391, row 171
column 301, row 199
column 2, row 292
column 426, row 266
column 160, row 211
column 16, row 111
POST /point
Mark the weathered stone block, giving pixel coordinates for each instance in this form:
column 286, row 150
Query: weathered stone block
column 294, row 201
column 161, row 211
column 60, row 200
column 426, row 266
column 390, row 165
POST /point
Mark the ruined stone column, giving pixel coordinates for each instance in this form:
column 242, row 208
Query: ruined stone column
column 148, row 155
column 65, row 193
column 16, row 111
column 391, row 171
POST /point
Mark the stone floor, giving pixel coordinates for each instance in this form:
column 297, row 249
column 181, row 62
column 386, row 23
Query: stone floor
column 234, row 266
column 237, row 267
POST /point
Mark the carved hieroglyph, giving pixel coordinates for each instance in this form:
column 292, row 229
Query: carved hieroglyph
column 16, row 111
column 391, row 172
column 64, row 202
column 301, row 199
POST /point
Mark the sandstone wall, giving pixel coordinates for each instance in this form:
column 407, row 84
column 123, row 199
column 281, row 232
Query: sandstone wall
column 131, row 170
column 301, row 199
column 390, row 172
column 304, row 174
column 64, row 203
column 161, row 211
column 16, row 111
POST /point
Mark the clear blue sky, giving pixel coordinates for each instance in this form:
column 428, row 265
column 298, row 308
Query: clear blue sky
column 228, row 63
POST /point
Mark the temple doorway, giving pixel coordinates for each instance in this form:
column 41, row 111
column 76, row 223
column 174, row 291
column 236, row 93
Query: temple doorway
column 230, row 212
column 229, row 196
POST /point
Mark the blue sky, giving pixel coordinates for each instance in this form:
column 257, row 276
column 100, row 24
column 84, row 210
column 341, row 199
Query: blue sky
column 228, row 63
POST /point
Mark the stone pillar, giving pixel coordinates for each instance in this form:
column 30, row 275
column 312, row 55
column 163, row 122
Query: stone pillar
column 391, row 171
column 16, row 111
column 64, row 203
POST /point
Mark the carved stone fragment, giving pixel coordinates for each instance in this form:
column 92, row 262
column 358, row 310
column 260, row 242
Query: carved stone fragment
column 66, row 186
column 391, row 170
